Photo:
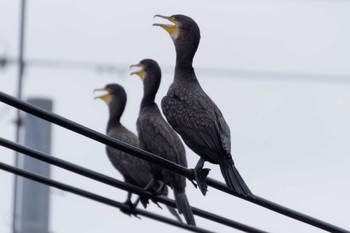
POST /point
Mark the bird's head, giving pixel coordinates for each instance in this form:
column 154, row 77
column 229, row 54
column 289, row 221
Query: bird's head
column 182, row 25
column 150, row 74
column 111, row 91
column 147, row 68
column 184, row 32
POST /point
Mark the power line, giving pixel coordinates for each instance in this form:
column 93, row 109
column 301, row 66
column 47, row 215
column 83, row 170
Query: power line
column 121, row 69
column 98, row 198
column 118, row 184
column 280, row 209
column 54, row 118
column 112, row 68
column 117, row 68
column 92, row 134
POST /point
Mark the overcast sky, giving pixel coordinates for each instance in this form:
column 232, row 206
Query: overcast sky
column 278, row 71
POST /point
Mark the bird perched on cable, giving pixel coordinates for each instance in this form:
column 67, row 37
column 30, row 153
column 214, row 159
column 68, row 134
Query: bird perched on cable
column 192, row 113
column 135, row 171
column 157, row 136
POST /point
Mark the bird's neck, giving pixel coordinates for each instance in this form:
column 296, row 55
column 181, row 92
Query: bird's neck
column 113, row 122
column 185, row 51
column 147, row 101
column 150, row 91
column 115, row 115
column 184, row 70
column 184, row 58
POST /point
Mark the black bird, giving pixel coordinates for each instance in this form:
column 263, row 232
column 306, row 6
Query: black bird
column 157, row 136
column 134, row 170
column 192, row 113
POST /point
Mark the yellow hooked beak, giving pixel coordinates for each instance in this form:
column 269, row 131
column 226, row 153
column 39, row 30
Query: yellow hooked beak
column 170, row 28
column 106, row 97
column 140, row 73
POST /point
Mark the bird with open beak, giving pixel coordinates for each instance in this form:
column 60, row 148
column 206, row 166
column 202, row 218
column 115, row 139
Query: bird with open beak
column 193, row 114
column 157, row 136
column 135, row 171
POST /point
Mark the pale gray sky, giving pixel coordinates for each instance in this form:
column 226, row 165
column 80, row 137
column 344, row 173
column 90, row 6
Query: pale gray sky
column 289, row 137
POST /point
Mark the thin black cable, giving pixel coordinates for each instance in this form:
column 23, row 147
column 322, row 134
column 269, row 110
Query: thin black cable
column 92, row 134
column 118, row 184
column 66, row 64
column 120, row 68
column 98, row 198
column 54, row 118
column 280, row 209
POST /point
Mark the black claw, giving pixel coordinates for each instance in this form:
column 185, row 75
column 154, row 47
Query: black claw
column 130, row 210
column 160, row 190
column 201, row 178
column 157, row 193
column 205, row 172
column 157, row 204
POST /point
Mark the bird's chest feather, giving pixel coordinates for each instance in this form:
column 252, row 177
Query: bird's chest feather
column 187, row 107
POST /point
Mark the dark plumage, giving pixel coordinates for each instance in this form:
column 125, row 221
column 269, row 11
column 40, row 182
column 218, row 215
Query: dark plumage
column 157, row 136
column 134, row 170
column 192, row 113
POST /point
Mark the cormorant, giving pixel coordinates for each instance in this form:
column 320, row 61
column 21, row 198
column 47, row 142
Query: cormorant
column 135, row 171
column 157, row 136
column 192, row 113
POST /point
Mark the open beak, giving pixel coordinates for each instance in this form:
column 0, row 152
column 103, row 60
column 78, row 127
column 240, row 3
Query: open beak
column 140, row 73
column 105, row 97
column 170, row 28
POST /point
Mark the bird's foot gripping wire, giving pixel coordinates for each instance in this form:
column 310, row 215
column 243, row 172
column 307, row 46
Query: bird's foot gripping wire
column 159, row 192
column 130, row 208
column 200, row 175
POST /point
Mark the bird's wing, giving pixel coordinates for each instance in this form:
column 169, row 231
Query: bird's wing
column 200, row 123
column 224, row 130
column 157, row 136
column 133, row 169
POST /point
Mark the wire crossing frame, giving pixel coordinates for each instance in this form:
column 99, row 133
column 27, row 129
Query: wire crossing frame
column 98, row 198
column 119, row 184
column 63, row 122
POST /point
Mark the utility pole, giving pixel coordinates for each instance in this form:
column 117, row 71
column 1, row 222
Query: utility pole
column 19, row 96
column 32, row 198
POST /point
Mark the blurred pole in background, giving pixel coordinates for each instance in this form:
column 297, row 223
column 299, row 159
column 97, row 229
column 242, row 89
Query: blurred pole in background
column 32, row 199
column 22, row 15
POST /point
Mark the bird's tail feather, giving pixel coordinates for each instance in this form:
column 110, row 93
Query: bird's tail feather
column 184, row 207
column 234, row 180
column 174, row 213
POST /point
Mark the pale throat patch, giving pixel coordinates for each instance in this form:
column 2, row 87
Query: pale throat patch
column 175, row 34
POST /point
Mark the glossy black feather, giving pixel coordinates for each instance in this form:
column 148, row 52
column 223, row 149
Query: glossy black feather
column 198, row 120
column 134, row 170
column 192, row 113
column 158, row 137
